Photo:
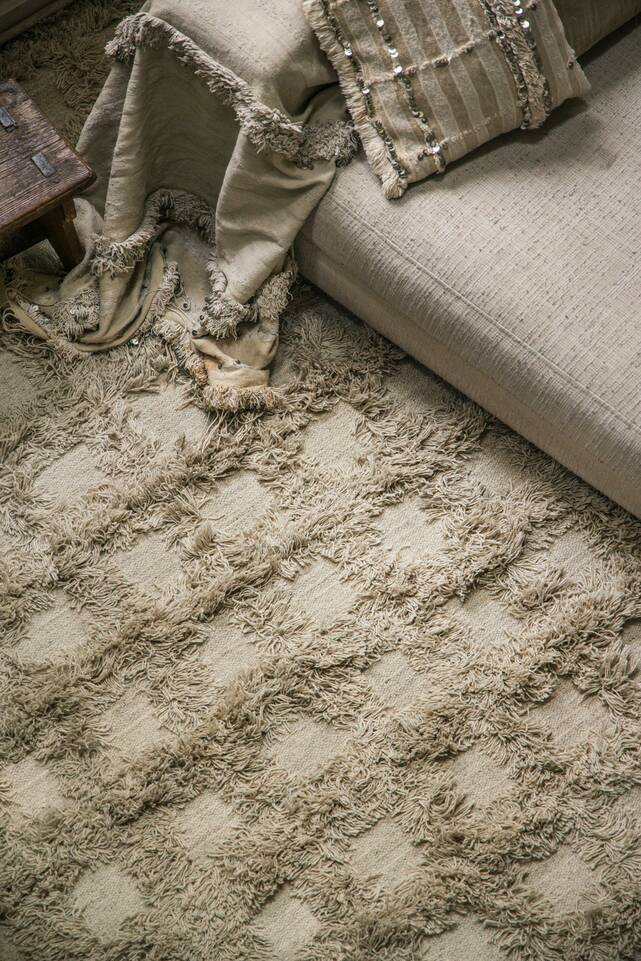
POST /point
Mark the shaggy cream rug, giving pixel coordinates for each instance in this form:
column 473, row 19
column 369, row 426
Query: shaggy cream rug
column 354, row 680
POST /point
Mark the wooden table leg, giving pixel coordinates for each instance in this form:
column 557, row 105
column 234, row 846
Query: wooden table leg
column 61, row 234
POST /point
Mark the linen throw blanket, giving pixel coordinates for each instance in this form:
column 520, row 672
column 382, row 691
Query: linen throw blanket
column 217, row 132
column 220, row 128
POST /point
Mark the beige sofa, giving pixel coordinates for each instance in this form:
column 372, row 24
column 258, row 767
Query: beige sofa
column 517, row 275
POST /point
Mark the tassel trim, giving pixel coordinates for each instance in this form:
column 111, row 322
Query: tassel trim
column 378, row 145
column 267, row 128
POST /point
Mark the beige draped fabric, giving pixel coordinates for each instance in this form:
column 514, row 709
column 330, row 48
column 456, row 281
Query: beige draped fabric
column 217, row 125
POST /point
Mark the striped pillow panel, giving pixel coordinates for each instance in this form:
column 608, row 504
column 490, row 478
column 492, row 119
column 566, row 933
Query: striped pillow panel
column 428, row 81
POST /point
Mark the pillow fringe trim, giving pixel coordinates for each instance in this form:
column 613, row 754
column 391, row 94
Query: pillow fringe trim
column 377, row 144
column 518, row 46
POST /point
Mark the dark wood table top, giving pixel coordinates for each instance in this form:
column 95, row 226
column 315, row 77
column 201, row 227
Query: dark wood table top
column 38, row 169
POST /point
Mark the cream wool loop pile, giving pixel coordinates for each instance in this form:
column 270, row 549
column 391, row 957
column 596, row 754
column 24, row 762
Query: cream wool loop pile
column 348, row 673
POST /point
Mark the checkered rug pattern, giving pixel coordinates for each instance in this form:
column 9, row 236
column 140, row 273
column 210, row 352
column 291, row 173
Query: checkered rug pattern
column 351, row 680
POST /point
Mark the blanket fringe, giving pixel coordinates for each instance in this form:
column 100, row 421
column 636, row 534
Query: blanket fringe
column 176, row 206
column 216, row 397
column 222, row 316
column 78, row 316
column 266, row 127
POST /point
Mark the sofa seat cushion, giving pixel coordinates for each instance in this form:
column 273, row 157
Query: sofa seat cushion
column 516, row 275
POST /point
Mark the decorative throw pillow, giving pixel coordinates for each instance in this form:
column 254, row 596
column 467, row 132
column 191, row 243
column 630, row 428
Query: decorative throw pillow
column 427, row 81
column 588, row 21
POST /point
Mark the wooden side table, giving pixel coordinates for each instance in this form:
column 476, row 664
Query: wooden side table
column 39, row 176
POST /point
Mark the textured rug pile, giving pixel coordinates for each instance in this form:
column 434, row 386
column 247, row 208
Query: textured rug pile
column 354, row 680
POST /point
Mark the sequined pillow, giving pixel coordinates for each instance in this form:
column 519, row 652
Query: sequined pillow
column 428, row 81
column 588, row 21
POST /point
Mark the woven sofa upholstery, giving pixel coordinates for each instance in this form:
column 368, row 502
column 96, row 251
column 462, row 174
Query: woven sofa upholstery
column 516, row 275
